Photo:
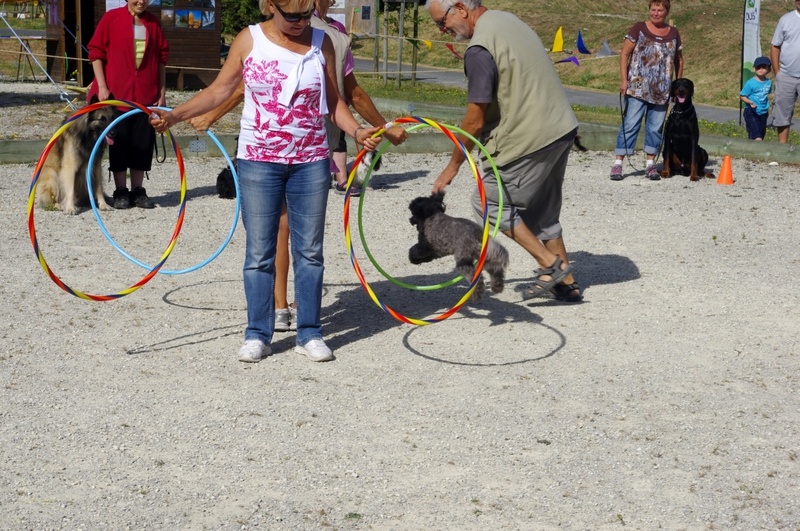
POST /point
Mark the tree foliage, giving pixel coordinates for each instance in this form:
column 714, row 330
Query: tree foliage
column 238, row 14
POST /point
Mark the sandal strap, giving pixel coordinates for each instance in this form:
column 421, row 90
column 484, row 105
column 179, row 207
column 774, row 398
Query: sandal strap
column 549, row 271
column 541, row 287
column 566, row 288
column 555, row 273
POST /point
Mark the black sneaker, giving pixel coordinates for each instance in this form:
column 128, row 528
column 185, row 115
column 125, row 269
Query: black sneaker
column 122, row 198
column 139, row 198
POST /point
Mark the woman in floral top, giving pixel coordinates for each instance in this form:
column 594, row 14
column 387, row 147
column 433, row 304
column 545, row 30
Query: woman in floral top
column 289, row 77
column 651, row 53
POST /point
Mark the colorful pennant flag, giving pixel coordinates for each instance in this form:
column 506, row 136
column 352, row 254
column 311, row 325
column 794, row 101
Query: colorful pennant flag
column 450, row 47
column 558, row 42
column 582, row 47
column 571, row 59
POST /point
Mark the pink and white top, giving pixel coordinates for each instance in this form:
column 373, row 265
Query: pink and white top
column 283, row 120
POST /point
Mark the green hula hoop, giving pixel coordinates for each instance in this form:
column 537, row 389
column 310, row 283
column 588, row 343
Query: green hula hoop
column 362, row 237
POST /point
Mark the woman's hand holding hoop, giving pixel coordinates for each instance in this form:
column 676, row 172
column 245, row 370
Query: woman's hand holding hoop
column 364, row 136
column 160, row 119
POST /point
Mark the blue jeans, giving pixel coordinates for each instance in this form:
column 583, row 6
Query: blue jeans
column 653, row 122
column 264, row 186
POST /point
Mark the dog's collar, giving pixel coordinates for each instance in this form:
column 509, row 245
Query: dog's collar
column 676, row 111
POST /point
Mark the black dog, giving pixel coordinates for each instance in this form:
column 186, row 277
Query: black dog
column 442, row 235
column 225, row 185
column 681, row 152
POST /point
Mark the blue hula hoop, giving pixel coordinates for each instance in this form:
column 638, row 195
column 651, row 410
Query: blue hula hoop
column 113, row 242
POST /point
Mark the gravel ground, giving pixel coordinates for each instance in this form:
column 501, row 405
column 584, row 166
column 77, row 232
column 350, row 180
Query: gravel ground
column 668, row 399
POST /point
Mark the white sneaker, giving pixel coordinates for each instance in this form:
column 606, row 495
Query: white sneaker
column 293, row 320
column 253, row 351
column 315, row 350
column 282, row 320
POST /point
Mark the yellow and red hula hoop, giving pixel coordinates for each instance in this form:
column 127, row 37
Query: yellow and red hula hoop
column 32, row 196
column 484, row 243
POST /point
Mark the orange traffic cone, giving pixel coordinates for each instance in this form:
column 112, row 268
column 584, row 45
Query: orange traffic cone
column 725, row 172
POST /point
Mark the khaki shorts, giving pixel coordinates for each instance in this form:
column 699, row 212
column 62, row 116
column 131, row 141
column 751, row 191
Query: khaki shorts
column 787, row 89
column 531, row 190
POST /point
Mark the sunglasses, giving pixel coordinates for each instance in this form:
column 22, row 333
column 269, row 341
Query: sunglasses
column 294, row 17
column 443, row 21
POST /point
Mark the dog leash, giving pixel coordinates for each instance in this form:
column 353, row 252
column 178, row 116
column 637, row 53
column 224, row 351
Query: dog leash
column 623, row 109
column 670, row 110
column 163, row 148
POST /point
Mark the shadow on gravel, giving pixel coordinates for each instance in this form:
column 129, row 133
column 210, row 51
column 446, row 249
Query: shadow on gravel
column 184, row 296
column 595, row 269
column 353, row 316
column 589, row 270
column 552, row 352
column 193, row 297
column 196, row 297
column 387, row 181
column 20, row 99
column 173, row 199
column 186, row 340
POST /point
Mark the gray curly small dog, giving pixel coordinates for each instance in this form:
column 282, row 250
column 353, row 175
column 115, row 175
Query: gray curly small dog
column 442, row 235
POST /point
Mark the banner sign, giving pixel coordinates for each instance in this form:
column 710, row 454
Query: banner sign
column 751, row 38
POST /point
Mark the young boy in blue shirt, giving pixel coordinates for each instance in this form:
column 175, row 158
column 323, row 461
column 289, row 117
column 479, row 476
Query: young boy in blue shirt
column 754, row 94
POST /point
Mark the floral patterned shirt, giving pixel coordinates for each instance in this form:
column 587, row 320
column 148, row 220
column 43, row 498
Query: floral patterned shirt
column 283, row 120
column 650, row 69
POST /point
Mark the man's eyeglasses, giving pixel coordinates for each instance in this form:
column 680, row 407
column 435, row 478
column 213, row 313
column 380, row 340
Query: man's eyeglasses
column 294, row 17
column 442, row 22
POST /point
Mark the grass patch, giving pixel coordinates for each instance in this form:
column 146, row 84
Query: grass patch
column 10, row 59
column 597, row 115
column 24, row 23
column 429, row 93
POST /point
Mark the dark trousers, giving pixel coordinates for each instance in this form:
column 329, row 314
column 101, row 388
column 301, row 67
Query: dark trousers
column 134, row 138
column 756, row 123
